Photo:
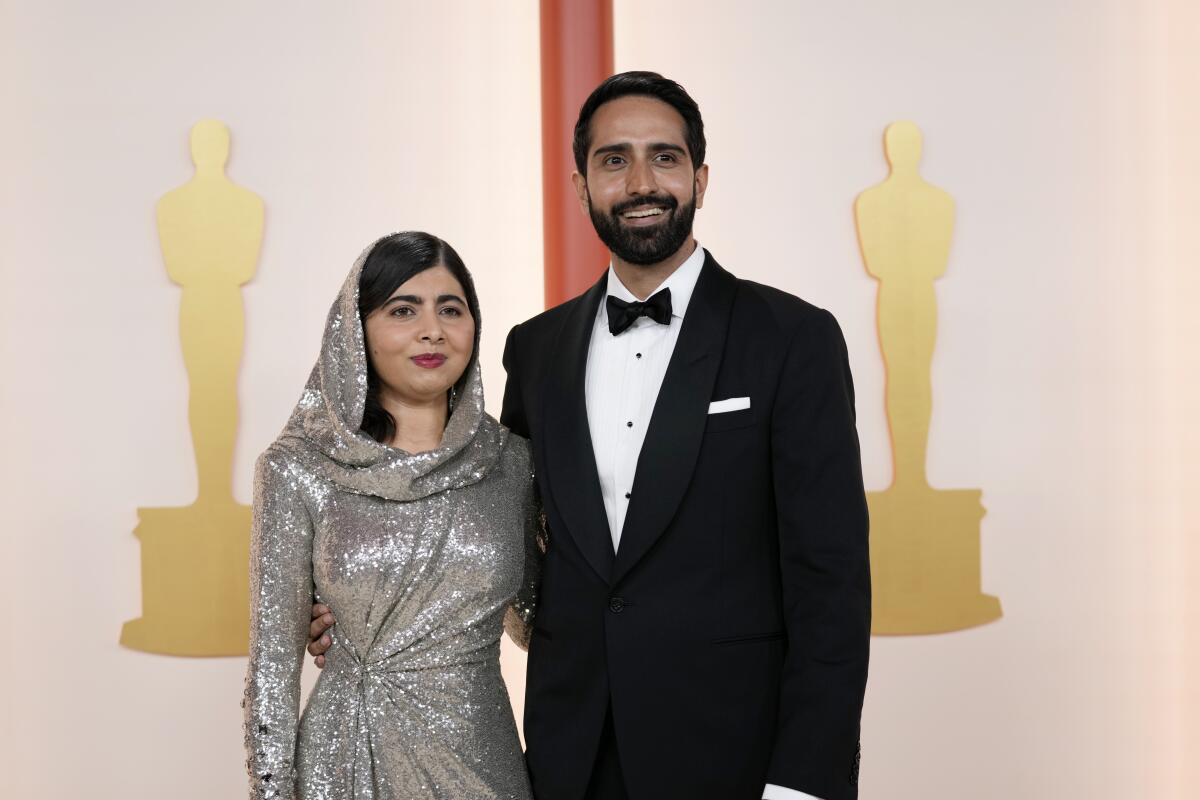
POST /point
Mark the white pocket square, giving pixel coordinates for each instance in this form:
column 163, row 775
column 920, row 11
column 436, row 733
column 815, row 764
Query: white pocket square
column 732, row 404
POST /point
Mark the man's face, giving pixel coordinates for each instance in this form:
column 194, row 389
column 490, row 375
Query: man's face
column 641, row 189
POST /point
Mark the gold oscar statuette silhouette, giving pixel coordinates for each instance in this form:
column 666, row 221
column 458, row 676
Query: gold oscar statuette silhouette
column 925, row 551
column 195, row 586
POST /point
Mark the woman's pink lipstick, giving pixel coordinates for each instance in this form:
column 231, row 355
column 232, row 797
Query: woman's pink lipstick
column 429, row 360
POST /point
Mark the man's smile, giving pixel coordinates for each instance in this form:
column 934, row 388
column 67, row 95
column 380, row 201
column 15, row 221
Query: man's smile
column 644, row 212
column 644, row 215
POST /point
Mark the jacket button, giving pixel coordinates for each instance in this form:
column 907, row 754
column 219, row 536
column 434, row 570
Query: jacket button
column 616, row 604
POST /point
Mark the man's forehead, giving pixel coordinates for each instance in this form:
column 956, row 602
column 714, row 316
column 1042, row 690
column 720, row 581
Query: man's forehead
column 637, row 119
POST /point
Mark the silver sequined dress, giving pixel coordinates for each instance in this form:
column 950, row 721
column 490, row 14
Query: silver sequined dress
column 423, row 559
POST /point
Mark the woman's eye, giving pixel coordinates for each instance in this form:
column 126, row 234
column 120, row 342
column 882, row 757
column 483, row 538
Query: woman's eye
column 451, row 311
column 402, row 311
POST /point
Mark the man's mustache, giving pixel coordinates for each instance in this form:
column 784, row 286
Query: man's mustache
column 666, row 201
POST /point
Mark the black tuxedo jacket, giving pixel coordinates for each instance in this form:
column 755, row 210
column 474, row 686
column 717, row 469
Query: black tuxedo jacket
column 729, row 634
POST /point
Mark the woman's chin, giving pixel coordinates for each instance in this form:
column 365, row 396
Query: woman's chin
column 425, row 391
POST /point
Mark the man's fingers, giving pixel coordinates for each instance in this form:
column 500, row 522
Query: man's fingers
column 319, row 646
column 322, row 621
column 320, row 625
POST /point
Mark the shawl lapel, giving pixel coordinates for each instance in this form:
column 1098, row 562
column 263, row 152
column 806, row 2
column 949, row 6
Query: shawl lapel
column 676, row 431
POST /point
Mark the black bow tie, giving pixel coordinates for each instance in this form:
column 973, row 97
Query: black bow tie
column 621, row 314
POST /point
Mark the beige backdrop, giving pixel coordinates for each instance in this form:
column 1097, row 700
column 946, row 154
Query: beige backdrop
column 1066, row 380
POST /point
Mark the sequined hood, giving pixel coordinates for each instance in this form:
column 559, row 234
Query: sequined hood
column 323, row 430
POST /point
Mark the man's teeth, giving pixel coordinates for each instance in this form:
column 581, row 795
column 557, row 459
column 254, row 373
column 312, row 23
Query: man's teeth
column 646, row 212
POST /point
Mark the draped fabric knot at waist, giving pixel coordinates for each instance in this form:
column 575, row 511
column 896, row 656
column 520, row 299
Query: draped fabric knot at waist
column 342, row 662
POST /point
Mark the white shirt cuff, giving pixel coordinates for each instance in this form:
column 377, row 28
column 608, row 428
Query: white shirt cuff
column 773, row 792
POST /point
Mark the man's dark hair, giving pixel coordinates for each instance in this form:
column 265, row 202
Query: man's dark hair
column 644, row 84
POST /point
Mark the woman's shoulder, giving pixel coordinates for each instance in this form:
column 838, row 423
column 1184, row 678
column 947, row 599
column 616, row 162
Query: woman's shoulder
column 280, row 462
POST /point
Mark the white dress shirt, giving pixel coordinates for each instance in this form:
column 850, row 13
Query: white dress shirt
column 624, row 375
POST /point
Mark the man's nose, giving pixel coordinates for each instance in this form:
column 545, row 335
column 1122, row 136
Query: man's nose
column 640, row 179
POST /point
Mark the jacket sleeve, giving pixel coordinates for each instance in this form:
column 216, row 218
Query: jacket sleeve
column 518, row 620
column 281, row 596
column 512, row 413
column 824, row 565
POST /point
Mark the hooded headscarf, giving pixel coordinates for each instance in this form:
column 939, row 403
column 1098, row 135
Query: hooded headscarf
column 323, row 430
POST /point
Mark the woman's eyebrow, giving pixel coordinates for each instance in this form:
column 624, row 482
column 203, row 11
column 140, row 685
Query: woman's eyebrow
column 448, row 298
column 403, row 298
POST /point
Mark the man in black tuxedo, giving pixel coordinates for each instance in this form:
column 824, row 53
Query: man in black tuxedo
column 704, row 618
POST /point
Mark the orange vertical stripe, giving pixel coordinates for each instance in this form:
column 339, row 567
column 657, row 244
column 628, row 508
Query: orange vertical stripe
column 577, row 54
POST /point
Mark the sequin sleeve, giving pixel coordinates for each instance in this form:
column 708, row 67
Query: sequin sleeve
column 518, row 620
column 281, row 592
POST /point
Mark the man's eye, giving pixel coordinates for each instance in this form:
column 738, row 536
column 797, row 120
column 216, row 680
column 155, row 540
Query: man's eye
column 613, row 161
column 666, row 157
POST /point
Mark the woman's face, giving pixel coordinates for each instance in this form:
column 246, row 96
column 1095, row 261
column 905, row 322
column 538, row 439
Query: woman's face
column 420, row 340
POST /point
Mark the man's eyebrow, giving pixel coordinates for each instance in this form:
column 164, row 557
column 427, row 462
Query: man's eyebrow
column 623, row 147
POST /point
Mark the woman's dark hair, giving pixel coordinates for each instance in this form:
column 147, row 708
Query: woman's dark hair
column 645, row 84
column 393, row 261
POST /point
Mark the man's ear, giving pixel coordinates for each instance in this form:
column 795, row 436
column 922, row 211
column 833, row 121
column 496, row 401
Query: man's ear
column 701, row 184
column 581, row 192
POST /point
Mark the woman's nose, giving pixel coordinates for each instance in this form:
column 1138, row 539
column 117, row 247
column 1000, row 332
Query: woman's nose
column 433, row 333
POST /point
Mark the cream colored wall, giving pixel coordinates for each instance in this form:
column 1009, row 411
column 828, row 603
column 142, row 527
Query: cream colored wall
column 1065, row 382
column 1176, row 63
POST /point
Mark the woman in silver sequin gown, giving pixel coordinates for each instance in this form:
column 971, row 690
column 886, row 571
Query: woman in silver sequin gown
column 424, row 553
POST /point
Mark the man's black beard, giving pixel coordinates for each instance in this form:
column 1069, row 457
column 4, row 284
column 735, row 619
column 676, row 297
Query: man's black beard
column 645, row 246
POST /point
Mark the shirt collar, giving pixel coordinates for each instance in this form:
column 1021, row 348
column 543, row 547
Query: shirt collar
column 681, row 282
